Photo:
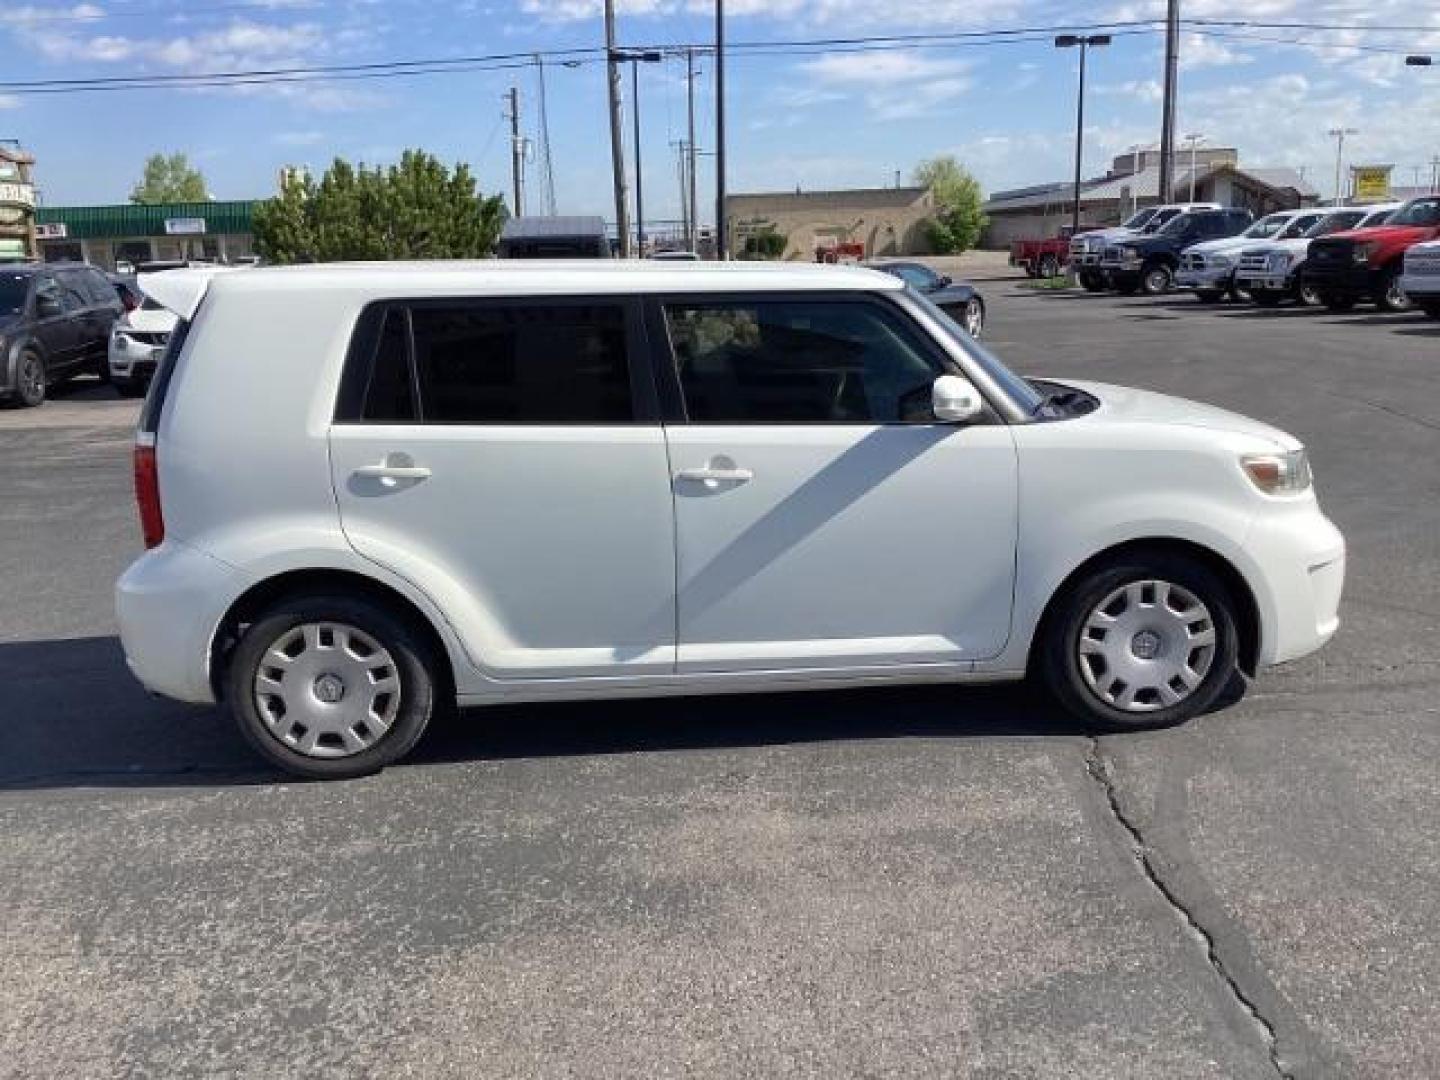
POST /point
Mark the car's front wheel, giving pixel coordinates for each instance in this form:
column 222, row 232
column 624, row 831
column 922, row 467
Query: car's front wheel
column 30, row 380
column 1389, row 295
column 972, row 318
column 1157, row 279
column 1147, row 640
column 331, row 687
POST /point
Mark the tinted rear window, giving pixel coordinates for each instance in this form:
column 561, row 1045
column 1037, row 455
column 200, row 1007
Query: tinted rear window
column 13, row 289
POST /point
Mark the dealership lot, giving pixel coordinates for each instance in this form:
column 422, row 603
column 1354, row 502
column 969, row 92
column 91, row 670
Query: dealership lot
column 920, row 882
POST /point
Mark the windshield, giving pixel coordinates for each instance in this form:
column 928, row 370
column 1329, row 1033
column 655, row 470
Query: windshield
column 1419, row 212
column 1335, row 223
column 1266, row 226
column 1025, row 396
column 13, row 288
column 1161, row 217
column 1138, row 220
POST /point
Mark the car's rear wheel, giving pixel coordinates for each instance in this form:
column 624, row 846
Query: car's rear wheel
column 1156, row 279
column 331, row 687
column 1390, row 296
column 30, row 379
column 1147, row 640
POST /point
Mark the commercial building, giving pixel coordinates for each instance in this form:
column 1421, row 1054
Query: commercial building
column 131, row 233
column 870, row 221
column 17, row 204
column 1133, row 181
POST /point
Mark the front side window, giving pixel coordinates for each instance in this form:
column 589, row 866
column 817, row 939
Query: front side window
column 1332, row 223
column 500, row 364
column 1139, row 219
column 72, row 292
column 1161, row 219
column 800, row 361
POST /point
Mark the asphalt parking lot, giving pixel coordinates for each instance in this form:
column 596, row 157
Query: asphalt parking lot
column 927, row 882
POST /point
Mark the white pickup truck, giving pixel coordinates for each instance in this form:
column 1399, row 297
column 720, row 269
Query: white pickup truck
column 1421, row 278
column 1270, row 272
column 1209, row 267
column 1088, row 248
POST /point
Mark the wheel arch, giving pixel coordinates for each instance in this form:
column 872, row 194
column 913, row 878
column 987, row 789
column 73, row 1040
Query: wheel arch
column 1247, row 609
column 263, row 594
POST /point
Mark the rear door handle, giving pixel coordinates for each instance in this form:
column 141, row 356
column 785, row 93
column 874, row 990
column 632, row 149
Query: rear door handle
column 393, row 472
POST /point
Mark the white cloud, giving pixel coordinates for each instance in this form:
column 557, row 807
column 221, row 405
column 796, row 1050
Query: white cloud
column 895, row 85
column 1147, row 90
column 1205, row 52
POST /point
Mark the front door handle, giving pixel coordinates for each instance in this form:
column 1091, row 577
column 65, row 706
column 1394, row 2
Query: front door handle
column 394, row 467
column 715, row 474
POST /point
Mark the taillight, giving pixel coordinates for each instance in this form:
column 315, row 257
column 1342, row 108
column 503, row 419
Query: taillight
column 147, row 491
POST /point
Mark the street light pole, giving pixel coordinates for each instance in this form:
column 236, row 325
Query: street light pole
column 1338, row 134
column 617, row 138
column 639, row 182
column 1083, row 42
column 722, row 245
column 692, row 231
column 1194, row 141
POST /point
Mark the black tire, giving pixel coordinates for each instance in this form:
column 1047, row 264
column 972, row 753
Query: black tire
column 1059, row 642
column 1156, row 279
column 1127, row 287
column 1267, row 297
column 416, row 666
column 127, row 387
column 1209, row 296
column 1092, row 281
column 1049, row 267
column 1308, row 296
column 1431, row 308
column 1336, row 301
column 30, row 380
column 1388, row 294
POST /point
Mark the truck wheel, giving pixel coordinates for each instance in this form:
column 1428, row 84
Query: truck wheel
column 1209, row 296
column 1306, row 295
column 1267, row 297
column 1337, row 301
column 1389, row 295
column 1049, row 266
column 1092, row 281
column 1156, row 279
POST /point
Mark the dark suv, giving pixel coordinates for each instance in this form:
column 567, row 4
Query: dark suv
column 1149, row 262
column 54, row 323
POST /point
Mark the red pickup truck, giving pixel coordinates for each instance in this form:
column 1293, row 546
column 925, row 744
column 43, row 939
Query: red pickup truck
column 1042, row 258
column 1365, row 264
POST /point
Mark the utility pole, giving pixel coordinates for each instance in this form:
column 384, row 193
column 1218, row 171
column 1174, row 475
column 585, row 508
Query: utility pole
column 617, row 138
column 1085, row 42
column 639, row 181
column 517, row 153
column 545, row 140
column 692, row 230
column 680, row 161
column 1167, row 115
column 1338, row 134
column 722, row 237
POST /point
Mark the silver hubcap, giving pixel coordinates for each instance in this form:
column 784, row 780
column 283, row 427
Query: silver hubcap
column 1147, row 646
column 1396, row 295
column 974, row 321
column 31, row 377
column 327, row 690
column 1158, row 280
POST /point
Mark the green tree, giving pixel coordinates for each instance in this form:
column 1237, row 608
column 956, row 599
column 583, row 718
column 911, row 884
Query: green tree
column 958, row 220
column 418, row 209
column 169, row 180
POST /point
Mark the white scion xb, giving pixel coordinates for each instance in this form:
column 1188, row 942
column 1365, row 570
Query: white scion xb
column 370, row 491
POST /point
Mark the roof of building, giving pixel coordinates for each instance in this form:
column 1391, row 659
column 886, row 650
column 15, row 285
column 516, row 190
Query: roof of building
column 847, row 198
column 133, row 219
column 550, row 228
column 1141, row 185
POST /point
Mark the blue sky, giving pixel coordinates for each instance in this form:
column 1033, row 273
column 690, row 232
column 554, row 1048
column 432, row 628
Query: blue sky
column 821, row 120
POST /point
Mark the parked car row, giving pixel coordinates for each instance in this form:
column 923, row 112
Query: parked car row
column 1333, row 258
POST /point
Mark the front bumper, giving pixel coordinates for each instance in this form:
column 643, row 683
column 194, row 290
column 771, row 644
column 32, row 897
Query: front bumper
column 133, row 359
column 1211, row 277
column 1299, row 557
column 1421, row 288
column 1354, row 280
column 168, row 604
column 1264, row 281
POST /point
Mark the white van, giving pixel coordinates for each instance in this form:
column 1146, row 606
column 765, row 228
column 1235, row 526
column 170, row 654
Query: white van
column 372, row 490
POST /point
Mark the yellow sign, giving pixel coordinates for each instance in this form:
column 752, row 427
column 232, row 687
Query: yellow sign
column 1372, row 181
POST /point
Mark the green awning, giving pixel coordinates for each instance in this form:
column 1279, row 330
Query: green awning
column 128, row 219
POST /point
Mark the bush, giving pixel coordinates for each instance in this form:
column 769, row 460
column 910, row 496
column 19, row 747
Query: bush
column 764, row 245
column 958, row 220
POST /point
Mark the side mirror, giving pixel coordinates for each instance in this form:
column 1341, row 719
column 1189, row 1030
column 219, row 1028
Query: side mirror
column 47, row 306
column 955, row 400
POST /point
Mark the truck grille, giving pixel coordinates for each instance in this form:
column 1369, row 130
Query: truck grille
column 1424, row 263
column 1192, row 261
column 148, row 337
column 1114, row 255
column 1254, row 262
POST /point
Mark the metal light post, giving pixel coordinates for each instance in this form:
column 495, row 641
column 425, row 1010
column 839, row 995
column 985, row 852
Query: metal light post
column 1083, row 42
column 634, row 57
column 1194, row 141
column 722, row 237
column 1338, row 134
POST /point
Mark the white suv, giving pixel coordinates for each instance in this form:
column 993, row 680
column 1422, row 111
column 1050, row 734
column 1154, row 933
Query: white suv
column 373, row 490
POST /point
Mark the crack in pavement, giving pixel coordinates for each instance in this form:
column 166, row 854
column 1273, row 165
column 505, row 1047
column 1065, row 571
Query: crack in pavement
column 1098, row 767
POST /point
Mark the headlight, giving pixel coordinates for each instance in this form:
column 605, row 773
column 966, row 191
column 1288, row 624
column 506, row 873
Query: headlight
column 1362, row 253
column 1278, row 473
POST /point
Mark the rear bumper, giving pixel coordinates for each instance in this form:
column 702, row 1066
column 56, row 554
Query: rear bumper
column 1300, row 557
column 168, row 604
column 133, row 359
